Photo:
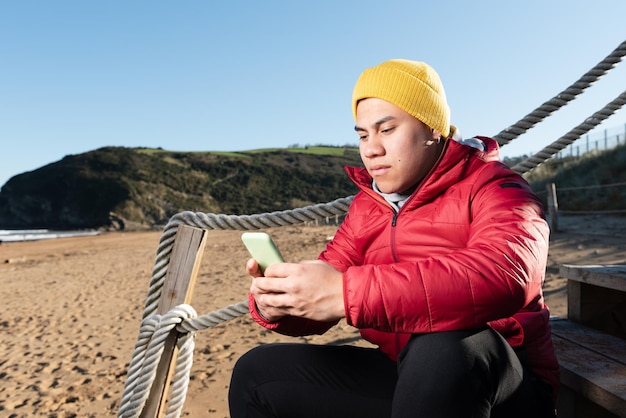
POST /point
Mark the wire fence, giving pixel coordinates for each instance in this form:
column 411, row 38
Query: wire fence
column 599, row 199
column 599, row 141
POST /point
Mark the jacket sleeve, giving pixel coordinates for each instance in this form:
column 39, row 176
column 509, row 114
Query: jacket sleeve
column 294, row 326
column 289, row 325
column 497, row 273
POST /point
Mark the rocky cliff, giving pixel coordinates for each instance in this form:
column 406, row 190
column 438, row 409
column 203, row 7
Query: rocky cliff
column 111, row 186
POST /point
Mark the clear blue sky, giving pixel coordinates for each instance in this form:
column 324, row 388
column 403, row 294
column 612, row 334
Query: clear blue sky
column 237, row 75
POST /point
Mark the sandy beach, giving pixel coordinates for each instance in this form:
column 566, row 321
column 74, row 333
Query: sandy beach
column 71, row 309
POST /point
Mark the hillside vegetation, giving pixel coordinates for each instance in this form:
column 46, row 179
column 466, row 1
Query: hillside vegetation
column 147, row 186
column 144, row 187
column 603, row 169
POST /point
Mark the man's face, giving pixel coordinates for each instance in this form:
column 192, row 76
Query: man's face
column 396, row 148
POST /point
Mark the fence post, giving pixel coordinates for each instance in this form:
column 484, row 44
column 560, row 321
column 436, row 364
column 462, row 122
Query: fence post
column 553, row 208
column 177, row 288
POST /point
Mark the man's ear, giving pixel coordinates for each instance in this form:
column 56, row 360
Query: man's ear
column 436, row 135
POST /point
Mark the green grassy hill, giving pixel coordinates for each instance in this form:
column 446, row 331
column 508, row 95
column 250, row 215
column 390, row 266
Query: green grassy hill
column 148, row 186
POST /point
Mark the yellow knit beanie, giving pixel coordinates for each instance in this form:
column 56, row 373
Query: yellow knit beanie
column 413, row 86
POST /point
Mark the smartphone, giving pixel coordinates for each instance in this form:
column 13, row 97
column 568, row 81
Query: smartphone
column 262, row 248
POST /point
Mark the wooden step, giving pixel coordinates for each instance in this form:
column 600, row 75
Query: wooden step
column 593, row 367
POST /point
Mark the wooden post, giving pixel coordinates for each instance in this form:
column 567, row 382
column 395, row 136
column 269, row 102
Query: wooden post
column 177, row 289
column 553, row 208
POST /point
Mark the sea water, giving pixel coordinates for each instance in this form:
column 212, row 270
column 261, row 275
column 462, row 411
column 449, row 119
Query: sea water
column 17, row 235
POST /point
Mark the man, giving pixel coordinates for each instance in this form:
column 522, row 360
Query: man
column 440, row 262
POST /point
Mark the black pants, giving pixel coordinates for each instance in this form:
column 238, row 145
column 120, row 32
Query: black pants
column 450, row 374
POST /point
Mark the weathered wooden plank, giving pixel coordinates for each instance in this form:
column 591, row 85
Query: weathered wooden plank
column 604, row 344
column 607, row 276
column 177, row 289
column 595, row 298
column 593, row 364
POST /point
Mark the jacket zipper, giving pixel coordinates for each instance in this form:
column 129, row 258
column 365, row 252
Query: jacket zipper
column 393, row 235
column 394, row 219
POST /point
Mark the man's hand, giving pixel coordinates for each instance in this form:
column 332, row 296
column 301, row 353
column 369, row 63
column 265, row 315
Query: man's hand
column 309, row 289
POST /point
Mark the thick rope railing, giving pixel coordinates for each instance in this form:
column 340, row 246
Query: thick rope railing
column 153, row 332
column 233, row 222
column 155, row 328
column 564, row 97
column 567, row 139
column 182, row 319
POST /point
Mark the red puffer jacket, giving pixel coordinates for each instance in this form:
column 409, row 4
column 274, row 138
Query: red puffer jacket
column 468, row 248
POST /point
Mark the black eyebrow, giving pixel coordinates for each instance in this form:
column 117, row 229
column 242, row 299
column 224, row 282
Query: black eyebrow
column 377, row 124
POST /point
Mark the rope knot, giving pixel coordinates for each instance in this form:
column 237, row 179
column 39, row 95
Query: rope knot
column 153, row 332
